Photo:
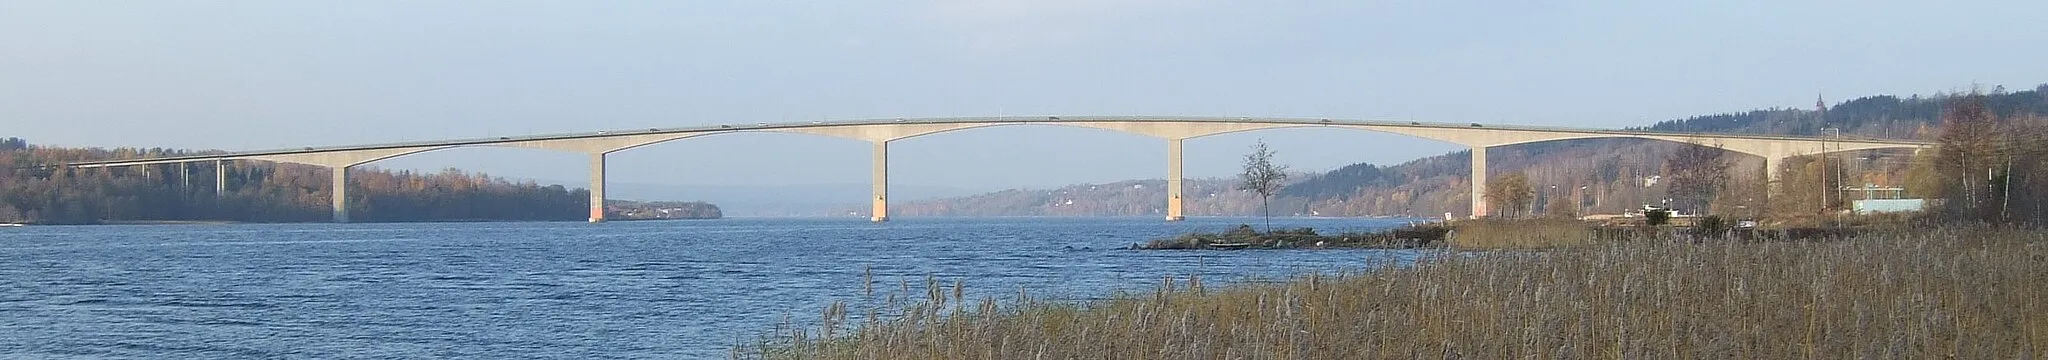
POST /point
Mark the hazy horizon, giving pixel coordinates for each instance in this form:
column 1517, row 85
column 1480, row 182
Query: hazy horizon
column 253, row 75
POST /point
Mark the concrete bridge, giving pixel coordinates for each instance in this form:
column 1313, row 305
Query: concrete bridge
column 1172, row 129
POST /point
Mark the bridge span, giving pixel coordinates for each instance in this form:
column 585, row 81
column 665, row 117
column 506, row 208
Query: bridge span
column 880, row 132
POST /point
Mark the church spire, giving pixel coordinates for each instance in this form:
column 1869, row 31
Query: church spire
column 1820, row 109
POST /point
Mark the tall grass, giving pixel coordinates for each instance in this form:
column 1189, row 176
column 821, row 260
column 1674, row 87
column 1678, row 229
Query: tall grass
column 1942, row 294
column 1520, row 234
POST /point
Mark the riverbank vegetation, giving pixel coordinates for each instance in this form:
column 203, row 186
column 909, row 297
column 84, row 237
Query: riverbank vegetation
column 1948, row 293
column 1961, row 279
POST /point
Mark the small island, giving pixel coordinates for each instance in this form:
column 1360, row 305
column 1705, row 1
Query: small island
column 627, row 210
column 1425, row 235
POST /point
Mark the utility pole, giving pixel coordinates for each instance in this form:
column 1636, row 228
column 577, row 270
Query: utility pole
column 1822, row 177
column 1820, row 113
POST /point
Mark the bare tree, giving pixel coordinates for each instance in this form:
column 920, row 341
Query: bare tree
column 1562, row 205
column 1263, row 177
column 1968, row 156
column 2029, row 139
column 1696, row 172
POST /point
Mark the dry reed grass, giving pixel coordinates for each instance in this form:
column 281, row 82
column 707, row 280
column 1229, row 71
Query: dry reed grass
column 1520, row 234
column 1941, row 294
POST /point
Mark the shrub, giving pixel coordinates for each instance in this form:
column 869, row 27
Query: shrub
column 1712, row 226
column 1657, row 217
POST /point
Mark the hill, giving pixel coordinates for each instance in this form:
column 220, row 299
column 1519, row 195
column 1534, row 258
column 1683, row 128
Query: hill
column 1123, row 198
column 1585, row 176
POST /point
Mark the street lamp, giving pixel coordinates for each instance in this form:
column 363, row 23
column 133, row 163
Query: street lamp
column 1550, row 199
column 1580, row 201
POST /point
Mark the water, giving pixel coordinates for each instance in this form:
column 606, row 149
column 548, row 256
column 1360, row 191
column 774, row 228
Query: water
column 672, row 289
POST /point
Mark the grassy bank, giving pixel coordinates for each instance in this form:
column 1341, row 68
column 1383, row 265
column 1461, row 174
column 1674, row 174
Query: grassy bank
column 1940, row 294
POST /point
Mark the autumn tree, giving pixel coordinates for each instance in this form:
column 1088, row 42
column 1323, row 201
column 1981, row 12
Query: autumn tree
column 1921, row 180
column 1510, row 194
column 1807, row 187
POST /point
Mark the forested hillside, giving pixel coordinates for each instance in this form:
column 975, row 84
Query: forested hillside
column 1124, row 198
column 1611, row 175
column 1581, row 176
column 31, row 191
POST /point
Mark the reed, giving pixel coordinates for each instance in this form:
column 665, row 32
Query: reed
column 1520, row 234
column 1938, row 294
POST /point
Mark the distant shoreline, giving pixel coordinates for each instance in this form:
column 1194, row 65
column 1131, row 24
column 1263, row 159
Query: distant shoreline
column 163, row 222
column 617, row 219
column 662, row 219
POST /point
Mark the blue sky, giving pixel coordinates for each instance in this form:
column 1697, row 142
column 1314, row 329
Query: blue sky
column 272, row 74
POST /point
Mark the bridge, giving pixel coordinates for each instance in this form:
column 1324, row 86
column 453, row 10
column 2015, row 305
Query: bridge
column 880, row 132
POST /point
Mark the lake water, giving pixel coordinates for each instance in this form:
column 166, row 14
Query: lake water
column 670, row 289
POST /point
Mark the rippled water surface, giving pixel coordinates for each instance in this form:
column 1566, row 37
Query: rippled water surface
column 672, row 289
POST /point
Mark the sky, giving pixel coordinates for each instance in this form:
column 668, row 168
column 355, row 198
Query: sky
column 252, row 75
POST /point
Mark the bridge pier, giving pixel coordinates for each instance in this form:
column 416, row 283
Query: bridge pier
column 340, row 193
column 597, row 187
column 1771, row 163
column 880, row 212
column 1478, row 182
column 1173, row 180
column 220, row 178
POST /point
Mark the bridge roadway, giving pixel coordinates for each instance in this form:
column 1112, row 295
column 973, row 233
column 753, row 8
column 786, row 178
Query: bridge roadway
column 880, row 132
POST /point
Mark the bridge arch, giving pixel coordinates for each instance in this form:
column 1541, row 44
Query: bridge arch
column 882, row 136
column 1174, row 129
column 344, row 159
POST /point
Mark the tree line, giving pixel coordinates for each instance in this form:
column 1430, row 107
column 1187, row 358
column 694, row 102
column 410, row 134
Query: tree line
column 34, row 189
column 1988, row 166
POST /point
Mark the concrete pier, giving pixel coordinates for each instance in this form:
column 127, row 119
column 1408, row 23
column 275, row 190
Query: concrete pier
column 880, row 213
column 1174, row 205
column 597, row 187
column 220, row 178
column 1478, row 182
column 340, row 193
